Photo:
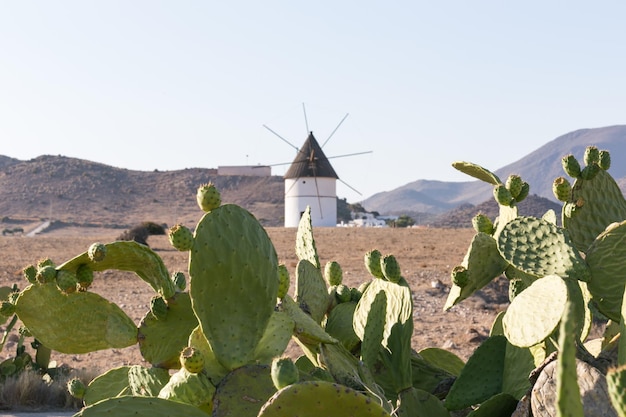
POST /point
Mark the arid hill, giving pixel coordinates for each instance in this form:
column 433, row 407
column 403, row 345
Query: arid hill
column 83, row 192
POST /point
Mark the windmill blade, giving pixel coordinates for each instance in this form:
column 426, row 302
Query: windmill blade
column 282, row 138
column 348, row 154
column 349, row 186
column 333, row 132
column 319, row 200
column 306, row 122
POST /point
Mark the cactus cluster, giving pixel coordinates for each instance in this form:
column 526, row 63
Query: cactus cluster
column 562, row 276
column 217, row 346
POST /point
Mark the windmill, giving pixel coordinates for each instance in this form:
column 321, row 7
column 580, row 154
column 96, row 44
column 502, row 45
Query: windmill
column 312, row 181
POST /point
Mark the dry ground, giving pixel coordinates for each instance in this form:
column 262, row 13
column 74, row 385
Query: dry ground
column 425, row 255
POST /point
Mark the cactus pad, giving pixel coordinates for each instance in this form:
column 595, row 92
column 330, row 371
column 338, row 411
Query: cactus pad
column 600, row 202
column 536, row 312
column 310, row 292
column 162, row 339
column 314, row 399
column 92, row 323
column 616, row 381
column 305, row 243
column 234, row 282
column 477, row 172
column 129, row 406
column 112, row 383
column 606, row 257
column 540, row 248
column 190, row 388
column 243, row 392
column 129, row 256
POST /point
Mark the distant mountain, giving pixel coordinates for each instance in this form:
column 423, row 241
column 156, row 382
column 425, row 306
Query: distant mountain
column 79, row 191
column 538, row 168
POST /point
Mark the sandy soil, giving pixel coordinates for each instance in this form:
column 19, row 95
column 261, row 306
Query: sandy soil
column 426, row 257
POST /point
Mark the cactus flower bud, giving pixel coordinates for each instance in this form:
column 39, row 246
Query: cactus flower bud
column 66, row 281
column 30, row 273
column 158, row 307
column 46, row 274
column 343, row 293
column 284, row 372
column 76, row 388
column 84, row 277
column 460, row 276
column 605, row 160
column 355, row 295
column 482, row 224
column 514, row 184
column 208, row 197
column 562, row 189
column 372, row 263
column 571, row 166
column 97, row 252
column 283, row 281
column 592, row 155
column 390, row 267
column 192, row 360
column 523, row 192
column 333, row 273
column 181, row 237
column 44, row 262
column 502, row 195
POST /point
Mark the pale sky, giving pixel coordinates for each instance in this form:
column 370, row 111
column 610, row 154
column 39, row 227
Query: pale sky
column 170, row 85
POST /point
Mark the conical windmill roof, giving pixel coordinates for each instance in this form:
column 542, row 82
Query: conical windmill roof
column 311, row 162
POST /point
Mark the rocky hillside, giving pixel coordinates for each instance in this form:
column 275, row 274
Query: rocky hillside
column 78, row 191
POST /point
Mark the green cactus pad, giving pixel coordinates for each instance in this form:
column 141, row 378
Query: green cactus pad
column 306, row 329
column 616, row 381
column 275, row 339
column 606, row 260
column 305, row 243
column 129, row 256
column 339, row 325
column 370, row 326
column 536, row 312
column 390, row 267
column 146, row 382
column 482, row 377
column 540, row 248
column 568, row 392
column 129, row 406
column 443, row 359
column 283, row 281
column 91, row 322
column 499, row 405
column 477, row 172
column 243, row 392
column 162, row 339
column 342, row 365
column 234, row 282
column 482, row 224
column 372, row 263
column 602, row 204
column 314, row 399
column 571, row 166
column 416, row 402
column 398, row 311
column 311, row 292
column 483, row 263
column 518, row 364
column 284, row 372
column 112, row 383
column 189, row 388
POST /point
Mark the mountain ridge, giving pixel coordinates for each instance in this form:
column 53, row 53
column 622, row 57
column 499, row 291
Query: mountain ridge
column 538, row 168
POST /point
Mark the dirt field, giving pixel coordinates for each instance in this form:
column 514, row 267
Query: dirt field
column 426, row 257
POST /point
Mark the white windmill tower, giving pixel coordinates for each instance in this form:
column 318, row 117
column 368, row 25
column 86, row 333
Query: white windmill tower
column 312, row 181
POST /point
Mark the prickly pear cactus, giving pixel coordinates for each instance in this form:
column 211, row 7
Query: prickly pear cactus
column 208, row 197
column 97, row 323
column 180, row 237
column 305, row 243
column 233, row 271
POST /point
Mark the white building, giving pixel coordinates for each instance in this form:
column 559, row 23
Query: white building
column 247, row 170
column 311, row 181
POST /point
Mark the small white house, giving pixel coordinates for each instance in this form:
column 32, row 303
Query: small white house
column 247, row 170
column 367, row 220
column 311, row 181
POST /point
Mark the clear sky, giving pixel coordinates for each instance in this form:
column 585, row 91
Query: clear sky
column 177, row 84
